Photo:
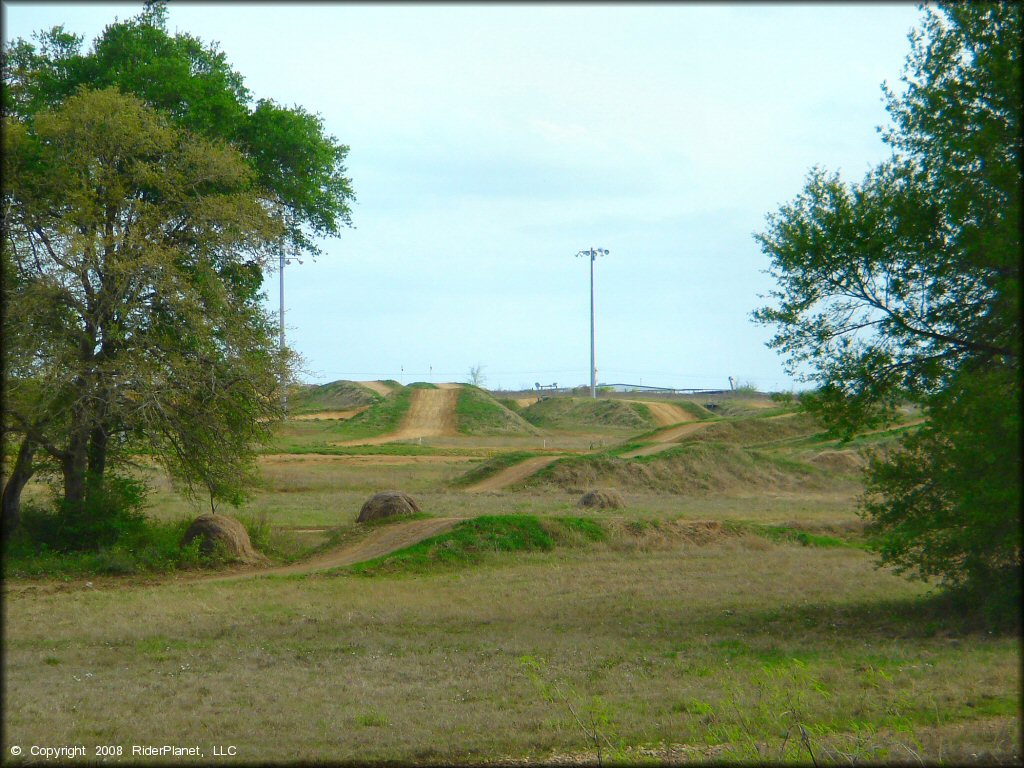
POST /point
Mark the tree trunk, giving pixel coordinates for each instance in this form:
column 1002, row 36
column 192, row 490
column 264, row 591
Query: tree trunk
column 20, row 475
column 98, row 441
column 73, row 466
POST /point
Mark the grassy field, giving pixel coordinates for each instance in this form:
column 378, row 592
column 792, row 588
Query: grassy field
column 729, row 612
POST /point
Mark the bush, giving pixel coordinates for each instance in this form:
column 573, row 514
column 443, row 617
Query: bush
column 112, row 512
column 109, row 535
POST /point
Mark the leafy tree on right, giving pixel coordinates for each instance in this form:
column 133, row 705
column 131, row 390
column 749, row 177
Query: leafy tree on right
column 905, row 288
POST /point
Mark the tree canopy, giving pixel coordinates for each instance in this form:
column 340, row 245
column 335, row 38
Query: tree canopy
column 297, row 165
column 905, row 287
column 145, row 195
column 129, row 250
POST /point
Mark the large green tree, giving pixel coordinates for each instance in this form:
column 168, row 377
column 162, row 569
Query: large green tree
column 297, row 165
column 905, row 287
column 196, row 400
column 129, row 248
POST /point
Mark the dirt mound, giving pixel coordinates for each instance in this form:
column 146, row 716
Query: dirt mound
column 602, row 499
column 224, row 535
column 334, row 396
column 655, row 535
column 574, row 413
column 387, row 504
column 843, row 462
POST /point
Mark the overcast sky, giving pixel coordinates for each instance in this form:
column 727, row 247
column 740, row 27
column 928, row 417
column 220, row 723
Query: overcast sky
column 490, row 143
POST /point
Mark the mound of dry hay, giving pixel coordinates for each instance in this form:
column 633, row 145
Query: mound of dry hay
column 387, row 504
column 603, row 499
column 220, row 534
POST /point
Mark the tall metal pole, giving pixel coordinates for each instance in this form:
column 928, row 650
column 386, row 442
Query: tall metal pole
column 593, row 253
column 284, row 385
column 593, row 364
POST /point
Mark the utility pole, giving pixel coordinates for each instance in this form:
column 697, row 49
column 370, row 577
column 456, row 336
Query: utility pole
column 593, row 253
column 284, row 383
column 284, row 368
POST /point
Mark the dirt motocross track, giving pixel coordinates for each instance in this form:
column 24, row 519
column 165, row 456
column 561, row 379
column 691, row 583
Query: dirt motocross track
column 431, row 414
column 381, row 541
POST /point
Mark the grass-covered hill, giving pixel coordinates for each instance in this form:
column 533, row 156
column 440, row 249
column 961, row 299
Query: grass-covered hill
column 478, row 413
column 573, row 413
column 334, row 396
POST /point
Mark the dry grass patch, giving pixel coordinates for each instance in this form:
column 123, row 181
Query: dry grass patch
column 427, row 668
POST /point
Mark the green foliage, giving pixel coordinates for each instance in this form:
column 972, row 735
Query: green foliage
column 111, row 513
column 905, row 288
column 117, row 541
column 130, row 317
column 947, row 503
column 295, row 163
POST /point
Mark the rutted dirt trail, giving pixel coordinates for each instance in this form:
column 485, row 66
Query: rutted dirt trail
column 665, row 414
column 513, row 474
column 388, row 538
column 666, row 439
column 431, row 414
column 379, row 387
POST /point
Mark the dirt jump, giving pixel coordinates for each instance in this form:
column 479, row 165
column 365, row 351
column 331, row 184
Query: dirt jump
column 666, row 439
column 336, row 415
column 665, row 414
column 513, row 474
column 379, row 387
column 431, row 414
column 381, row 541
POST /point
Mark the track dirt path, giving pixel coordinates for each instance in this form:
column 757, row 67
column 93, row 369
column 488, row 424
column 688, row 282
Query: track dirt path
column 431, row 414
column 666, row 439
column 337, row 415
column 382, row 541
column 379, row 387
column 513, row 474
column 665, row 414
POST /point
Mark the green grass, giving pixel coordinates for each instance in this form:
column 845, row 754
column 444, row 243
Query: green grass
column 580, row 413
column 703, row 652
column 382, row 417
column 334, row 396
column 791, row 534
column 467, row 543
column 491, row 467
column 477, row 413
column 422, row 385
column 153, row 549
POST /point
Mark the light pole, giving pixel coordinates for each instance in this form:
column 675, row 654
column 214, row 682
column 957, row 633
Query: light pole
column 284, row 368
column 593, row 253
